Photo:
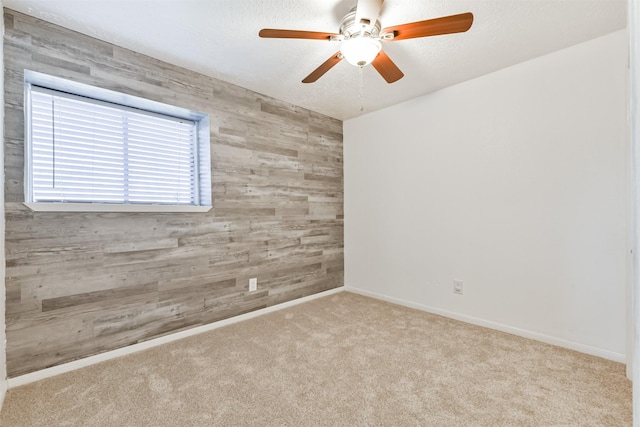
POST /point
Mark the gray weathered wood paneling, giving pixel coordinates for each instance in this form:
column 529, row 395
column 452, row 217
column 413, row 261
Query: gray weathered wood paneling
column 83, row 283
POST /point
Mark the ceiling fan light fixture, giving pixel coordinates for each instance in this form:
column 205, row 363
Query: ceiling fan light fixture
column 361, row 50
column 361, row 34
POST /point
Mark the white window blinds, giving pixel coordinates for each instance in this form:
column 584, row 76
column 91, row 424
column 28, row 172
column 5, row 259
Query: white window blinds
column 89, row 151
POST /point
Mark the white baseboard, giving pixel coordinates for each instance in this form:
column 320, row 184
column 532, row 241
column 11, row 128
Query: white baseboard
column 134, row 348
column 547, row 339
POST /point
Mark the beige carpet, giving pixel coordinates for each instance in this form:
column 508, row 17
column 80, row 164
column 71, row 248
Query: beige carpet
column 339, row 360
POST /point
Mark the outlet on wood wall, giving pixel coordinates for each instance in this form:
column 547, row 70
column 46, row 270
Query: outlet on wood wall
column 84, row 283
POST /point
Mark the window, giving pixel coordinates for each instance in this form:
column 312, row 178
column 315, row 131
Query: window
column 97, row 150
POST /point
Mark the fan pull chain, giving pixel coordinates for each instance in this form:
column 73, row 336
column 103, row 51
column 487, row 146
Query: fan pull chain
column 361, row 87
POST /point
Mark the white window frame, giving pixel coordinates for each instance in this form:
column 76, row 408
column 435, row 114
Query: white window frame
column 203, row 157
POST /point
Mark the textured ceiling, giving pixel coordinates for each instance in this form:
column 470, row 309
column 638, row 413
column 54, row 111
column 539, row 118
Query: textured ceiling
column 220, row 38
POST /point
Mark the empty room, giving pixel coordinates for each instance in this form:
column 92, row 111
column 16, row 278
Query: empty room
column 341, row 212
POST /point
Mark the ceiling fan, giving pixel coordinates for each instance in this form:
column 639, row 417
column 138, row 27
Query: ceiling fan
column 361, row 35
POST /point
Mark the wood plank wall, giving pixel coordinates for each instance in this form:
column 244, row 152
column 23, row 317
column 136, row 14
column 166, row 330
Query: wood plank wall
column 84, row 283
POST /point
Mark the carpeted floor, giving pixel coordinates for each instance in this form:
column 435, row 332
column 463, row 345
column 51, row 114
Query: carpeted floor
column 339, row 360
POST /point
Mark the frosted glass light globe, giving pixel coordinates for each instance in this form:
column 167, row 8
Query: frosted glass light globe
column 360, row 51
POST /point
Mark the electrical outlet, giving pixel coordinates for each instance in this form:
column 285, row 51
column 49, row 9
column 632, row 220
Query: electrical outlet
column 458, row 287
column 253, row 284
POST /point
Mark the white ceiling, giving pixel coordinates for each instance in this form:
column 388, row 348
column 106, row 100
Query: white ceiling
column 220, row 38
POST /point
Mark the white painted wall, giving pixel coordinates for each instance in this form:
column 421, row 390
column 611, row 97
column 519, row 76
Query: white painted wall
column 515, row 183
column 3, row 340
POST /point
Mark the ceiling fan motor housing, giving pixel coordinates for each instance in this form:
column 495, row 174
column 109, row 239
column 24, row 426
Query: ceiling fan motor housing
column 361, row 40
column 350, row 28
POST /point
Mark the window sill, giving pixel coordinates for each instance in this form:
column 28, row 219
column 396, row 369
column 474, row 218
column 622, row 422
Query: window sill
column 104, row 207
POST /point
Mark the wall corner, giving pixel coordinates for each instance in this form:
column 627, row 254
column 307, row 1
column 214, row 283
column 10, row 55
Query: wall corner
column 3, row 335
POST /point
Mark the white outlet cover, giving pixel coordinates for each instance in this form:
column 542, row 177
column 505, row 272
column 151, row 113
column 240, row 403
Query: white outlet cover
column 458, row 287
column 253, row 284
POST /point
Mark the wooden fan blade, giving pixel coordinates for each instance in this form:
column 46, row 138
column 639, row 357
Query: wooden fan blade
column 387, row 68
column 432, row 27
column 272, row 33
column 326, row 66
